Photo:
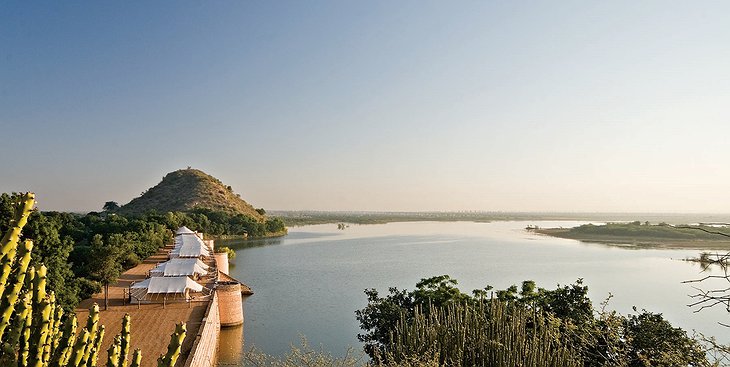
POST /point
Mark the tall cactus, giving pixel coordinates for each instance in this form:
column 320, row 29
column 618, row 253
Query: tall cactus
column 6, row 266
column 78, row 352
column 173, row 349
column 40, row 334
column 63, row 352
column 92, row 326
column 25, row 334
column 97, row 345
column 124, row 345
column 113, row 353
column 20, row 218
column 8, row 302
column 57, row 333
column 136, row 358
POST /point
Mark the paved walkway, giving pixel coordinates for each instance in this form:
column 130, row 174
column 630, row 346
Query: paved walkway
column 151, row 323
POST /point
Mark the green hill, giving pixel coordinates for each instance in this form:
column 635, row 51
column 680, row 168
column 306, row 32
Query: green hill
column 188, row 189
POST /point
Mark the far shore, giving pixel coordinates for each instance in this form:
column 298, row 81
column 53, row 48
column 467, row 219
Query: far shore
column 302, row 218
column 631, row 241
column 225, row 237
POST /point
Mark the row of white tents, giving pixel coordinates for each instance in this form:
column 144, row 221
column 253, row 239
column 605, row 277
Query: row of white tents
column 175, row 277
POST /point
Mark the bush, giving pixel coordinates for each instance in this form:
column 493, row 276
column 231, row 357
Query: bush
column 224, row 249
column 87, row 288
column 130, row 260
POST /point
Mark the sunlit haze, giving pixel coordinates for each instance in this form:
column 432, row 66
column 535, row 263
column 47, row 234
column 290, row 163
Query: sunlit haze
column 374, row 105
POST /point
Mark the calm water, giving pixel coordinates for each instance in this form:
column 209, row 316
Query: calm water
column 310, row 282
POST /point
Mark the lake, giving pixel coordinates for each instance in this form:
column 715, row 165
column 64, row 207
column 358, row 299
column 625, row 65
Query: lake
column 310, row 282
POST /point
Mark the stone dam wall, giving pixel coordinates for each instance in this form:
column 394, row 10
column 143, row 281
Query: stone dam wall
column 205, row 346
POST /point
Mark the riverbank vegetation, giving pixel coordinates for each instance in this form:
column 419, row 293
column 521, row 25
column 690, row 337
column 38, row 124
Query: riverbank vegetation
column 646, row 234
column 521, row 326
column 85, row 251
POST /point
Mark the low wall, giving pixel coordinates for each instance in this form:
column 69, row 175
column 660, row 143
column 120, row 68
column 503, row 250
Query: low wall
column 205, row 346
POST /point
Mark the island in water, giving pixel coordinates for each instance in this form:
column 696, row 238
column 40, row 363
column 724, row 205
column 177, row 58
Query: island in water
column 715, row 236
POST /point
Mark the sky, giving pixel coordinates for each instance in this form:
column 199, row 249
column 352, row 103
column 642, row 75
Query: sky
column 608, row 106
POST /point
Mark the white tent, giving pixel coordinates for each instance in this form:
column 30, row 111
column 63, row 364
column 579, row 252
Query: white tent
column 183, row 230
column 188, row 239
column 189, row 246
column 194, row 251
column 168, row 285
column 180, row 266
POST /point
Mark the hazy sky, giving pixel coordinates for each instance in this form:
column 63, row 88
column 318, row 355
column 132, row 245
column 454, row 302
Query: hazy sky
column 372, row 105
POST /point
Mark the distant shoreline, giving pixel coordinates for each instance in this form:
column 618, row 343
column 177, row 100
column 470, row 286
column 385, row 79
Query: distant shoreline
column 225, row 237
column 301, row 218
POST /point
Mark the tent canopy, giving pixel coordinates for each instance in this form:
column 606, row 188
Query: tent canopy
column 168, row 285
column 184, row 230
column 180, row 266
column 188, row 239
column 194, row 251
column 189, row 246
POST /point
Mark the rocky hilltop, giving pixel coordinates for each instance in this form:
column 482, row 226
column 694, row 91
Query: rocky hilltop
column 188, row 189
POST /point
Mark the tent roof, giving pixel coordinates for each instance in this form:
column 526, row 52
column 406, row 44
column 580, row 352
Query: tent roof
column 190, row 246
column 184, row 230
column 168, row 285
column 181, row 266
column 190, row 250
column 182, row 240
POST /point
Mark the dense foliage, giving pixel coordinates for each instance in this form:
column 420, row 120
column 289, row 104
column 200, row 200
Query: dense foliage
column 217, row 223
column 84, row 252
column 596, row 337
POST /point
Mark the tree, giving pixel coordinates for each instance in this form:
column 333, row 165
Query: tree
column 720, row 294
column 110, row 206
column 105, row 266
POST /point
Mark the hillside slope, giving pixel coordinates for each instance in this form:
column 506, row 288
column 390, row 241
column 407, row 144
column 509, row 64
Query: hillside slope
column 187, row 189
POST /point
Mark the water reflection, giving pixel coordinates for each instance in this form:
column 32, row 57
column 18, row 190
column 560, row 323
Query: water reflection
column 230, row 346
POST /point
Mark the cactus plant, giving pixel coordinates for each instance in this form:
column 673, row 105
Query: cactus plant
column 136, row 358
column 113, row 353
column 124, row 345
column 25, row 334
column 64, row 350
column 173, row 349
column 92, row 326
column 8, row 303
column 95, row 349
column 20, row 218
column 78, row 351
